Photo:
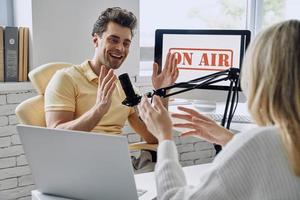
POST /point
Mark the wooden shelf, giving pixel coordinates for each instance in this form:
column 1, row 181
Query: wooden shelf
column 15, row 86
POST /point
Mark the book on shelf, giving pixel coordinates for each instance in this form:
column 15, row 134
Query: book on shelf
column 26, row 54
column 21, row 50
column 1, row 54
column 23, row 53
column 11, row 45
column 14, row 54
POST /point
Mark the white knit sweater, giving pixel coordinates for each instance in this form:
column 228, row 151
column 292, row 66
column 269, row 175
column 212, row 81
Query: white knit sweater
column 253, row 165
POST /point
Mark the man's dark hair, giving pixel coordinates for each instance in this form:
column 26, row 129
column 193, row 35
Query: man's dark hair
column 115, row 14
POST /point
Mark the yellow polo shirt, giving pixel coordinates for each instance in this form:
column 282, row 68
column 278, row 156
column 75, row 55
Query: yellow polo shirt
column 75, row 89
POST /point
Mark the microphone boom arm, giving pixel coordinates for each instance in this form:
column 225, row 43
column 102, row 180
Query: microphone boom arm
column 231, row 74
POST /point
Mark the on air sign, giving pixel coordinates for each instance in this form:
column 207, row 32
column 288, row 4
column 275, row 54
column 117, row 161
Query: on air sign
column 203, row 59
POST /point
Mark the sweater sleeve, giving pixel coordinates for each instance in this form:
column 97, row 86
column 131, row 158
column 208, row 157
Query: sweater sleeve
column 171, row 182
column 253, row 165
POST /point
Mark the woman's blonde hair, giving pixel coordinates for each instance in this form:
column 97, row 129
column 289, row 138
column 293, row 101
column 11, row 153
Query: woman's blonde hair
column 271, row 81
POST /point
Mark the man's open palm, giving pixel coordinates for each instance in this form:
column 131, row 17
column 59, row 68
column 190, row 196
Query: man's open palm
column 169, row 74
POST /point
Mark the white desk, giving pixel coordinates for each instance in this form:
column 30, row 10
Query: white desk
column 144, row 181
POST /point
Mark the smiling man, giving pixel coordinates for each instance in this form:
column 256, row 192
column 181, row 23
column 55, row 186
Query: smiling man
column 88, row 96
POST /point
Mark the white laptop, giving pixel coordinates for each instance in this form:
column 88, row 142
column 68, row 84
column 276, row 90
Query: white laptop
column 79, row 165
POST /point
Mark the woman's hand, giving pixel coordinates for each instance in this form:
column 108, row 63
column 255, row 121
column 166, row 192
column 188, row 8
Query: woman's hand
column 156, row 118
column 203, row 127
column 169, row 74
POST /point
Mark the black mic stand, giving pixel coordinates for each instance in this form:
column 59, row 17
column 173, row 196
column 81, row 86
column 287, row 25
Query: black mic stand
column 231, row 75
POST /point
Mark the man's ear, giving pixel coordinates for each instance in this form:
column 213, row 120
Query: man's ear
column 95, row 40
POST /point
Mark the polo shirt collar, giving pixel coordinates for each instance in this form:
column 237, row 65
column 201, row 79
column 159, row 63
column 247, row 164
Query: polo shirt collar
column 89, row 73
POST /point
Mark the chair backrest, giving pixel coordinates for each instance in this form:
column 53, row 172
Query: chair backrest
column 31, row 111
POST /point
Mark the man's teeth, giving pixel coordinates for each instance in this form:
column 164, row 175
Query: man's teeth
column 117, row 56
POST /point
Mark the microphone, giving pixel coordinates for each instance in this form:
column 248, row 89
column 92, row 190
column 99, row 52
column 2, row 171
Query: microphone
column 132, row 99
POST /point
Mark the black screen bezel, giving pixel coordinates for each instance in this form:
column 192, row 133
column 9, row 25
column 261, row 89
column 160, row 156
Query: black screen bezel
column 159, row 33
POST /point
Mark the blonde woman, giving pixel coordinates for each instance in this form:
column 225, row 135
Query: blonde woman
column 263, row 163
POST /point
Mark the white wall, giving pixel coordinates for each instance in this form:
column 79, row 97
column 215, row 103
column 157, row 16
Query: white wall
column 6, row 15
column 61, row 30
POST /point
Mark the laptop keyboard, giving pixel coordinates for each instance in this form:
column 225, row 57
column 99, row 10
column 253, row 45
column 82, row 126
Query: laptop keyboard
column 236, row 118
column 217, row 116
column 140, row 192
